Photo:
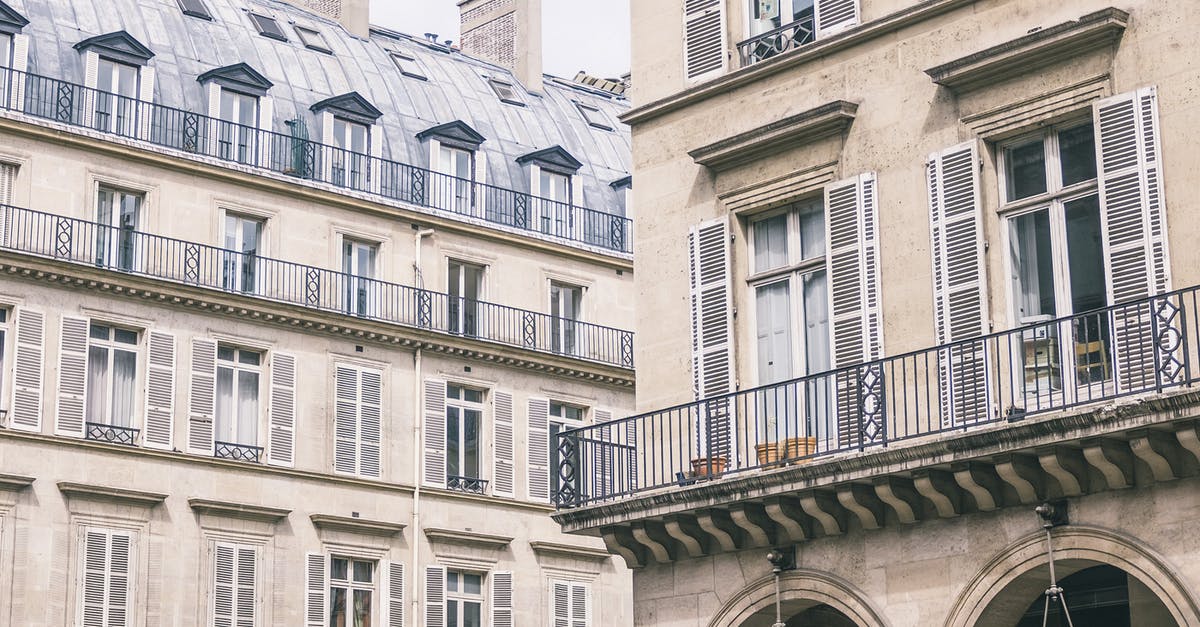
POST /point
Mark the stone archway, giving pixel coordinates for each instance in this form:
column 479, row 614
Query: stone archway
column 803, row 591
column 1001, row 592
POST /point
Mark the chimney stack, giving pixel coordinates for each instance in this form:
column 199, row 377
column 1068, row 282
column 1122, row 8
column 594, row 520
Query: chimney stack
column 354, row 15
column 507, row 33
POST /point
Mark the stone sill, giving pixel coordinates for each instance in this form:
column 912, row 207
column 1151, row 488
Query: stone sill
column 798, row 130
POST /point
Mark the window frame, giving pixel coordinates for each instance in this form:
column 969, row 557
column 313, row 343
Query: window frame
column 463, row 405
column 458, row 322
column 415, row 69
column 594, row 116
column 506, row 91
column 312, row 38
column 351, row 585
column 235, row 283
column 132, row 574
column 359, row 296
column 117, row 231
column 201, row 12
column 236, row 544
column 238, row 367
column 7, row 339
column 585, row 418
column 1052, row 163
column 259, row 21
column 463, row 597
column 111, row 345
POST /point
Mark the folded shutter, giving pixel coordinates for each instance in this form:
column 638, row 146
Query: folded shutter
column 27, row 370
column 20, row 63
column 393, row 586
column 370, row 419
column 581, row 606
column 712, row 335
column 146, row 79
column 560, row 595
column 959, row 283
column 502, row 599
column 603, row 468
column 224, row 584
column 72, row 377
column 435, row 433
column 202, row 403
column 502, row 441
column 247, row 583
column 281, row 445
column 832, row 16
column 435, row 596
column 315, row 565
column 107, row 565
column 345, row 420
column 703, row 37
column 160, row 390
column 539, row 449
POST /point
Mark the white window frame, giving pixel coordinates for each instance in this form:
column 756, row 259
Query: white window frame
column 458, row 322
column 132, row 610
column 785, row 8
column 112, row 345
column 481, row 445
column 359, row 284
column 463, row 597
column 114, row 235
column 560, row 332
column 112, row 99
column 238, row 367
column 349, row 585
column 445, row 163
column 234, row 282
column 563, row 423
column 6, row 50
column 240, row 134
column 7, row 339
column 588, row 603
column 236, row 544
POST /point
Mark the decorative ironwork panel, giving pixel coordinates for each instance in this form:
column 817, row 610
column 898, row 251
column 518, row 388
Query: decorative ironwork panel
column 871, row 404
column 470, row 485
column 425, row 309
column 191, row 132
column 627, row 349
column 65, row 102
column 778, row 41
column 521, row 211
column 238, row 452
column 616, row 236
column 1169, row 341
column 528, row 329
column 312, row 286
column 112, row 434
column 62, row 237
column 191, row 263
column 568, row 492
column 418, row 186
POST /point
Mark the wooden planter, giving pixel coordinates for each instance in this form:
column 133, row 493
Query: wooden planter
column 709, row 466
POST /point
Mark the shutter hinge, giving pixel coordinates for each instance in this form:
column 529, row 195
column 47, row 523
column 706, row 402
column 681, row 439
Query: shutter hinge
column 734, row 310
column 986, row 245
column 981, row 163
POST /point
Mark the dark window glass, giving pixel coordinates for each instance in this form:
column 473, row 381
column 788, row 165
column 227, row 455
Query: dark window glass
column 1077, row 152
column 268, row 27
column 195, row 8
column 1026, row 173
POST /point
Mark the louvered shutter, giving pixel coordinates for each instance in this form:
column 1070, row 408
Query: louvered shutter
column 20, row 63
column 27, row 370
column 393, row 586
column 834, row 15
column 435, row 596
column 203, row 397
column 106, row 568
column 266, row 122
column 314, row 590
column 281, row 443
column 435, row 433
column 851, row 233
column 603, row 468
column 502, row 599
column 160, row 390
column 959, row 283
column 502, row 442
column 581, row 606
column 703, row 37
column 1135, row 231
column 712, row 334
column 146, row 78
column 8, row 178
column 72, row 377
column 224, row 585
column 91, row 69
column 345, row 428
column 370, row 427
column 560, row 595
column 539, row 450
column 247, row 583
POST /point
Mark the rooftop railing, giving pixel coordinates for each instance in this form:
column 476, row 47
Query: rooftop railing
column 295, row 155
column 778, row 41
column 1139, row 347
column 129, row 251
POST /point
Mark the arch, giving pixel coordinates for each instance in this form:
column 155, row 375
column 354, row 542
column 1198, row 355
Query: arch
column 810, row 585
column 1075, row 547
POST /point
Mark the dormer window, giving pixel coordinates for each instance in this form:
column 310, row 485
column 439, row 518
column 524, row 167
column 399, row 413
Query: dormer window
column 113, row 64
column 195, row 8
column 594, row 116
column 313, row 39
column 268, row 27
column 552, row 171
column 346, row 121
column 237, row 99
column 506, row 92
column 408, row 65
column 454, row 156
column 11, row 24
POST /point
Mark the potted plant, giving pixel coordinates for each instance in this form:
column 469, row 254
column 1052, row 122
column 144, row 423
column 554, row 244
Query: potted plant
column 709, row 466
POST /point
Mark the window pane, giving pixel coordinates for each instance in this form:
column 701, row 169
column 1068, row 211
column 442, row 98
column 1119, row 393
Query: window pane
column 224, row 427
column 773, row 317
column 816, row 323
column 471, row 444
column 99, row 332
column 472, row 584
column 453, row 450
column 249, row 357
column 125, row 336
column 1085, row 253
column 453, row 391
column 124, row 371
column 362, row 572
column 770, row 243
column 452, row 581
column 247, row 432
column 97, row 384
column 1033, row 266
column 339, row 569
column 337, row 607
column 1077, row 151
column 812, row 232
column 225, row 353
column 104, row 74
column 474, row 396
column 1026, row 172
column 452, row 613
column 362, row 608
column 472, row 614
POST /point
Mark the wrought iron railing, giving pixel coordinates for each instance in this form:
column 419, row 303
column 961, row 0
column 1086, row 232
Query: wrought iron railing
column 778, row 41
column 180, row 261
column 296, row 156
column 238, row 452
column 111, row 433
column 1138, row 347
column 472, row 485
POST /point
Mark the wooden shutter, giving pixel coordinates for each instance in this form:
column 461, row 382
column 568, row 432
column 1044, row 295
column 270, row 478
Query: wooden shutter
column 560, row 595
column 160, row 390
column 539, row 449
column 235, row 580
column 581, row 606
column 72, row 377
column 1134, row 226
column 435, row 433
column 281, row 442
column 20, row 63
column 502, row 444
column 8, row 179
column 435, row 596
column 712, row 335
column 960, row 309
column 703, row 37
column 315, row 566
column 27, row 370
column 146, row 77
column 834, row 15
column 203, row 397
column 393, row 586
column 105, row 572
column 91, row 69
column 603, row 468
column 370, row 423
column 502, row 599
column 345, row 427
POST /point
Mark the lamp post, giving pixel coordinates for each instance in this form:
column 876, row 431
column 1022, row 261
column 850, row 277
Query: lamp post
column 780, row 561
column 1052, row 515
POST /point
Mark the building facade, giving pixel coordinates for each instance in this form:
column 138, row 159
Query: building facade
column 290, row 310
column 919, row 267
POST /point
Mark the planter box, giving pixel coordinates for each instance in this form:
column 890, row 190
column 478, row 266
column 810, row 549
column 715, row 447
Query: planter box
column 787, row 452
column 709, row 466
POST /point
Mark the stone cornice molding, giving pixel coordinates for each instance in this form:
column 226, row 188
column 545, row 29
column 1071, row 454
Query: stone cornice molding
column 228, row 509
column 555, row 549
column 796, row 130
column 15, row 483
column 360, row 526
column 108, row 494
column 468, row 538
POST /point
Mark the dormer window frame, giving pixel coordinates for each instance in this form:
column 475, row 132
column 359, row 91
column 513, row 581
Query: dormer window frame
column 594, row 116
column 446, row 143
column 408, row 65
column 551, row 170
column 501, row 86
column 320, row 45
column 195, row 8
column 259, row 19
column 243, row 80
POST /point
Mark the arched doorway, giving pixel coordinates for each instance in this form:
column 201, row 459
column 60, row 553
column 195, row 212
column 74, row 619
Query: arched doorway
column 800, row 613
column 809, row 598
column 1100, row 596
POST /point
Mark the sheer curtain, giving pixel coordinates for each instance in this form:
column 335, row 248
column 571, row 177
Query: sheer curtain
column 97, row 385
column 124, row 373
column 247, row 427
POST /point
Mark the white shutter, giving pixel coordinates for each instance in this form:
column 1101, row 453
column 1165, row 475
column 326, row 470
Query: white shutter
column 224, row 590
column 1134, row 226
column 91, row 69
column 315, row 566
column 370, row 429
column 502, row 443
column 160, row 390
column 281, row 441
column 393, row 586
column 214, row 100
column 106, row 568
column 72, row 377
column 834, row 15
column 435, row 432
column 20, row 63
column 539, row 449
column 502, row 599
column 146, row 78
column 247, row 583
column 203, row 397
column 712, row 335
column 345, row 419
column 604, row 460
column 959, row 282
column 8, row 178
column 581, row 606
column 27, row 371
column 560, row 595
column 266, row 123
column 703, row 37
column 435, row 596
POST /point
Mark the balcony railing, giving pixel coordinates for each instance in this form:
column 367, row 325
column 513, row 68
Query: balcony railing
column 297, row 156
column 470, row 485
column 1139, row 347
column 778, row 41
column 111, row 433
column 134, row 252
column 238, row 452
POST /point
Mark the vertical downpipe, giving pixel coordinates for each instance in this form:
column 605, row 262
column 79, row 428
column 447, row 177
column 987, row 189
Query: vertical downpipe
column 418, row 440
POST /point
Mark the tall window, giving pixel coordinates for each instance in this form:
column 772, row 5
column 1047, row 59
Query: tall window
column 554, row 203
column 117, row 216
column 111, row 375
column 566, row 303
column 239, row 380
column 351, row 160
column 243, row 237
column 234, row 583
column 459, row 167
column 116, row 97
column 571, row 604
column 464, row 599
column 464, row 416
column 5, row 329
column 351, row 592
column 107, row 567
column 563, row 417
column 465, row 283
column 238, row 126
column 768, row 15
column 358, row 264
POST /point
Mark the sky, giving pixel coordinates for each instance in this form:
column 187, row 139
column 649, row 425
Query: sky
column 577, row 35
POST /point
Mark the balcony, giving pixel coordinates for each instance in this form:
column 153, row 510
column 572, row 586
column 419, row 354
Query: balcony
column 294, row 155
column 189, row 263
column 979, row 388
column 112, row 434
column 470, row 485
column 237, row 452
column 778, row 41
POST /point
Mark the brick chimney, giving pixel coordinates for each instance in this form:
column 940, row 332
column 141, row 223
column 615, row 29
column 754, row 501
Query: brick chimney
column 505, row 32
column 355, row 15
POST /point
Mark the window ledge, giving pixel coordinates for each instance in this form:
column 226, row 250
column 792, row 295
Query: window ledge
column 360, row 526
column 796, row 130
column 469, row 538
column 241, row 511
column 110, row 495
column 569, row 551
column 1038, row 49
column 14, row 483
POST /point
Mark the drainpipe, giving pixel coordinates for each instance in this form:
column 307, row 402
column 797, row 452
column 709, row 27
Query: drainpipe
column 418, row 435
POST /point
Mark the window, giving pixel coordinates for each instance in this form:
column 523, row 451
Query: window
column 195, row 8
column 1056, row 254
column 6, row 45
column 506, row 92
column 235, row 578
column 464, row 599
column 766, row 15
column 237, row 128
column 243, row 241
column 358, row 417
column 106, row 576
column 350, row 160
column 566, row 301
column 594, row 116
column 351, row 592
column 455, row 189
column 239, row 379
column 5, row 334
column 358, row 264
column 563, row 417
column 313, row 39
column 267, row 26
column 116, row 97
column 465, row 287
column 571, row 603
column 553, row 204
column 408, row 65
column 117, row 216
column 464, row 415
column 111, row 376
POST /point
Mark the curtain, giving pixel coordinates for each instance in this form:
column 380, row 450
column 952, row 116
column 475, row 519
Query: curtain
column 124, row 374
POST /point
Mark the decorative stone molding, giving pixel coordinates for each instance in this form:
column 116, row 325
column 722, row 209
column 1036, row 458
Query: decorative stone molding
column 997, row 122
column 554, row 549
column 797, row 130
column 105, row 494
column 227, row 509
column 810, row 586
column 358, row 526
column 780, row 190
column 120, row 46
column 467, row 538
column 14, row 483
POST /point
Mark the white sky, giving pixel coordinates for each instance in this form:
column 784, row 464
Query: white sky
column 577, row 35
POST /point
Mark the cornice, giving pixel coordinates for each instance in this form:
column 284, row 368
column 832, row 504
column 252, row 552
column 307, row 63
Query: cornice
column 110, row 495
column 229, row 509
column 15, row 483
column 800, row 129
column 360, row 526
column 469, row 538
column 555, row 549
